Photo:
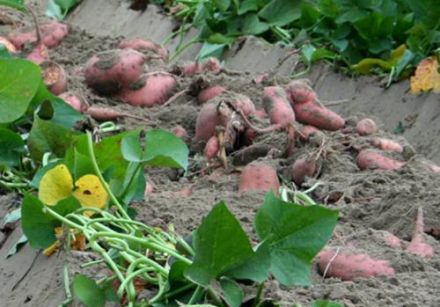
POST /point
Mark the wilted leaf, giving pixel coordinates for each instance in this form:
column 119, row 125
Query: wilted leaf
column 426, row 77
column 55, row 185
column 90, row 192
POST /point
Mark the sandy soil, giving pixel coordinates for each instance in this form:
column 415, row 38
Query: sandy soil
column 369, row 201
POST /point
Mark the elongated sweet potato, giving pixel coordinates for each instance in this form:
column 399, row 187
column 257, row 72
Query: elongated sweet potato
column 300, row 91
column 110, row 71
column 387, row 145
column 140, row 44
column 52, row 34
column 366, row 126
column 369, row 159
column 278, row 107
column 259, row 176
column 151, row 89
column 418, row 245
column 351, row 265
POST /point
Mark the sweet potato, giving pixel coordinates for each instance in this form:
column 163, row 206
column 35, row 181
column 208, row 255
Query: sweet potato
column 390, row 239
column 8, row 45
column 207, row 120
column 54, row 77
column 211, row 65
column 387, row 145
column 278, row 107
column 209, row 93
column 244, row 103
column 198, row 67
column 312, row 113
column 302, row 168
column 348, row 266
column 300, row 91
column 109, row 71
column 366, row 126
column 418, row 245
column 52, row 34
column 306, row 131
column 179, row 131
column 212, row 148
column 39, row 54
column 107, row 113
column 151, row 89
column 258, row 176
column 144, row 44
column 369, row 159
column 74, row 101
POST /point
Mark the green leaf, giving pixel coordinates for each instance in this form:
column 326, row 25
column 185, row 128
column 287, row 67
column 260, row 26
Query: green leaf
column 232, row 292
column 64, row 115
column 176, row 277
column 247, row 6
column 309, row 15
column 211, row 50
column 326, row 303
column 15, row 4
column 11, row 148
column 19, row 83
column 87, row 291
column 46, row 136
column 162, row 148
column 295, row 235
column 66, row 206
column 218, row 38
column 281, row 12
column 134, row 183
column 37, row 226
column 4, row 53
column 253, row 26
column 220, row 244
column 17, row 246
column 222, row 5
column 53, row 10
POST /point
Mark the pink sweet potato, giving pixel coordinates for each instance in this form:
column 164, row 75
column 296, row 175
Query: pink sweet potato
column 209, row 93
column 74, row 101
column 312, row 113
column 300, row 91
column 369, row 159
column 348, row 266
column 179, row 131
column 151, row 89
column 39, row 54
column 198, row 67
column 52, row 34
column 212, row 148
column 54, row 77
column 8, row 45
column 390, row 239
column 144, row 44
column 110, row 71
column 366, row 126
column 418, row 245
column 206, row 122
column 278, row 107
column 108, row 114
column 302, row 168
column 211, row 65
column 258, row 176
column 244, row 103
column 387, row 145
column 306, row 131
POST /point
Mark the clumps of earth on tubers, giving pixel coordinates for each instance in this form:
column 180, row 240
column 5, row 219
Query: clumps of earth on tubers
column 54, row 77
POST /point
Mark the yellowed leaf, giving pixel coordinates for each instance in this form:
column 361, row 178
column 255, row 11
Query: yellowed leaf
column 426, row 77
column 90, row 192
column 78, row 242
column 55, row 185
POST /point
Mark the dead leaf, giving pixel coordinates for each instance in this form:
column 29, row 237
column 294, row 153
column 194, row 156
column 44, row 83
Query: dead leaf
column 426, row 77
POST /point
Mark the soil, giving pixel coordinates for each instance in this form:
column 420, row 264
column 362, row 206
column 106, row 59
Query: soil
column 369, row 201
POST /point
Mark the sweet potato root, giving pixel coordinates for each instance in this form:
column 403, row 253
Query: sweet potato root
column 259, row 176
column 366, row 126
column 54, row 77
column 144, row 44
column 108, row 114
column 369, row 159
column 387, row 145
column 418, row 245
column 52, row 34
column 302, row 168
column 348, row 266
column 209, row 93
column 151, row 89
column 109, row 71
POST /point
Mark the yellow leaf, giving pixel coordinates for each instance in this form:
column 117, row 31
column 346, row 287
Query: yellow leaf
column 426, row 77
column 90, row 192
column 55, row 185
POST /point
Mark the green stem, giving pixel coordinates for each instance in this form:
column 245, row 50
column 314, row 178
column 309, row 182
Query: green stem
column 67, row 282
column 179, row 290
column 183, row 47
column 214, row 296
column 196, row 295
column 101, row 178
column 258, row 295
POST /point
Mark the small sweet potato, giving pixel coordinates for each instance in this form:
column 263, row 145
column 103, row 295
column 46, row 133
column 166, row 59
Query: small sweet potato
column 209, row 93
column 52, row 34
column 369, row 159
column 348, row 266
column 259, row 176
column 208, row 65
column 244, row 103
column 54, row 77
column 140, row 44
column 418, row 245
column 211, row 65
column 151, row 89
column 306, row 131
column 387, row 145
column 8, row 45
column 74, row 101
column 207, row 120
column 302, row 168
column 109, row 71
column 39, row 54
column 212, row 148
column 390, row 239
column 366, row 126
column 179, row 131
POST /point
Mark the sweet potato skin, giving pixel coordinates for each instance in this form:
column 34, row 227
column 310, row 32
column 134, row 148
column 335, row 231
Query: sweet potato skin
column 8, row 45
column 348, row 266
column 74, row 101
column 387, row 145
column 418, row 246
column 209, row 93
column 140, row 44
column 302, row 168
column 258, row 176
column 207, row 120
column 52, row 33
column 366, row 126
column 212, row 148
column 368, row 159
column 55, row 77
column 300, row 91
column 151, row 89
column 277, row 106
column 311, row 113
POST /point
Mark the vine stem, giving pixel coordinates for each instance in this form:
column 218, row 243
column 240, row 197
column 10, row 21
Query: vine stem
column 101, row 178
column 258, row 296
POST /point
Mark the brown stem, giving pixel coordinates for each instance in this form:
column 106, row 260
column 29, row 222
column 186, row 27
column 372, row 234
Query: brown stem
column 37, row 27
column 259, row 130
column 174, row 97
